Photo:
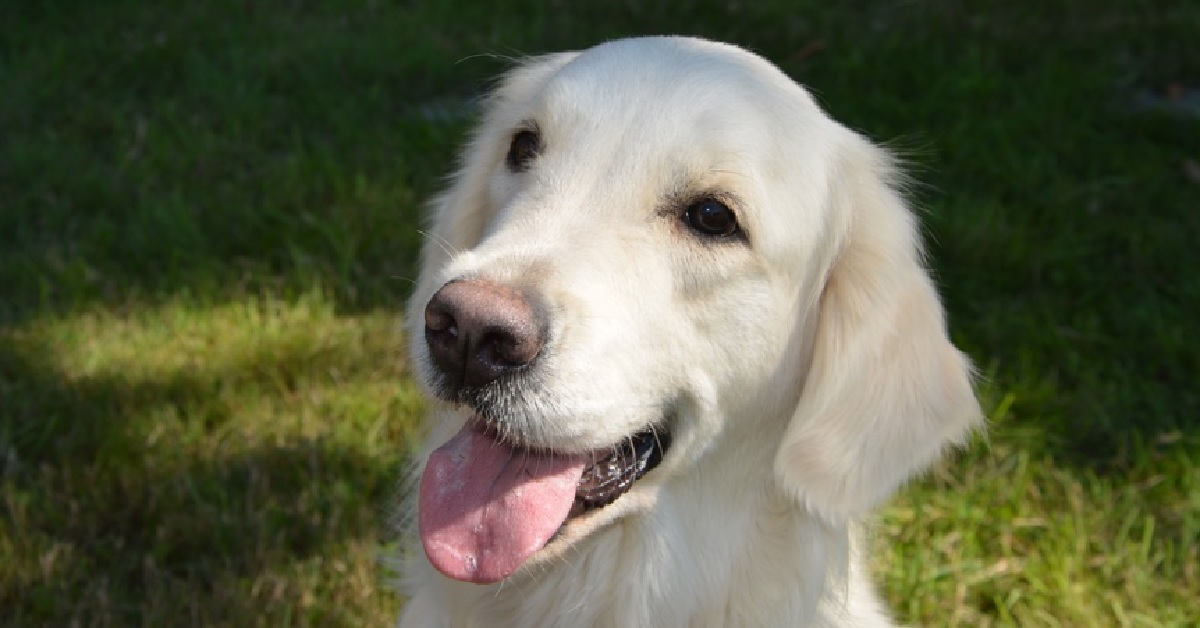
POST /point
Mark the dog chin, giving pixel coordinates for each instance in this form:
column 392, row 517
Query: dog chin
column 577, row 529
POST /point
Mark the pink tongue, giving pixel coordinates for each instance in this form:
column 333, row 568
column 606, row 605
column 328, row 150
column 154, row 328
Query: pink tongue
column 484, row 507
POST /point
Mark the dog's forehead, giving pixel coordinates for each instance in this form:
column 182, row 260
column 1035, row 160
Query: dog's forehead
column 636, row 127
column 684, row 115
column 670, row 83
column 682, row 104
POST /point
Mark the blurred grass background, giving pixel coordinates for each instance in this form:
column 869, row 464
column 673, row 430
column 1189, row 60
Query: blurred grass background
column 208, row 221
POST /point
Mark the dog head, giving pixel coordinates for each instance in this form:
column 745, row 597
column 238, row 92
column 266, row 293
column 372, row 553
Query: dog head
column 653, row 249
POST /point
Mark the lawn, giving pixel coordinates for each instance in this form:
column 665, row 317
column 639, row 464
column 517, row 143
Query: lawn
column 209, row 215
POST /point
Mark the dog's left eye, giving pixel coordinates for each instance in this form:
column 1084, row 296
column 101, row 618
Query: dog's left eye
column 524, row 147
column 712, row 218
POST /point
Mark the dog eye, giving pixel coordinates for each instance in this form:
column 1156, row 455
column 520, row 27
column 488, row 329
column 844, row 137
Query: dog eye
column 711, row 217
column 525, row 146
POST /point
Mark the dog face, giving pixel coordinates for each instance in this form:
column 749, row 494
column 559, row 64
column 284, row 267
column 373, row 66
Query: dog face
column 655, row 249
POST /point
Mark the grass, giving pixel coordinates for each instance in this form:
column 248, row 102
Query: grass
column 208, row 217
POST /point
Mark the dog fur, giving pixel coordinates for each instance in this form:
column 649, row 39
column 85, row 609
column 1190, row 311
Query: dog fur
column 803, row 368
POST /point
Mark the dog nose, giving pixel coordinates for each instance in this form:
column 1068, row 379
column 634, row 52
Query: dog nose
column 478, row 330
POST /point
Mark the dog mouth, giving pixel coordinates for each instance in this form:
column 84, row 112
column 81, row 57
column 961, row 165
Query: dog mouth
column 606, row 479
column 486, row 507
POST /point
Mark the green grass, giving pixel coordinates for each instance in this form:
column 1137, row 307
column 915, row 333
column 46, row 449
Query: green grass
column 208, row 221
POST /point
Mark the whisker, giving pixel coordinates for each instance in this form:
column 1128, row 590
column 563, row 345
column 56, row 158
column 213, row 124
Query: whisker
column 447, row 248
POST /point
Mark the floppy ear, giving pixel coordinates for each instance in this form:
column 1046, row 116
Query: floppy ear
column 886, row 391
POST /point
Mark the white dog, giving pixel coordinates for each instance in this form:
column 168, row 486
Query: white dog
column 677, row 337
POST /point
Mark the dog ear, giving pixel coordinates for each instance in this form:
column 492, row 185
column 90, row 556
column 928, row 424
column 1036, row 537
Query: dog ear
column 885, row 391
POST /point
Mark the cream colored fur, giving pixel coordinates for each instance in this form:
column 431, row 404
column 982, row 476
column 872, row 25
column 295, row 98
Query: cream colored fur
column 805, row 372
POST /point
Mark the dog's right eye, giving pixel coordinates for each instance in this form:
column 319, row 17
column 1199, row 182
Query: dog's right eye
column 524, row 147
column 711, row 218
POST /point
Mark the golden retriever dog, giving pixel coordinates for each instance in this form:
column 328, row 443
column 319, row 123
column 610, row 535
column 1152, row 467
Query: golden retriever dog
column 678, row 338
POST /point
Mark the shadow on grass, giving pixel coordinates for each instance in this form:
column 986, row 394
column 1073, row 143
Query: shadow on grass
column 143, row 502
column 154, row 152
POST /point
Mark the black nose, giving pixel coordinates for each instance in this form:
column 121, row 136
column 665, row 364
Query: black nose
column 478, row 330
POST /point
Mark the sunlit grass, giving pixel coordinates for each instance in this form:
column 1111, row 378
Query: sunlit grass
column 227, row 463
column 1010, row 538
